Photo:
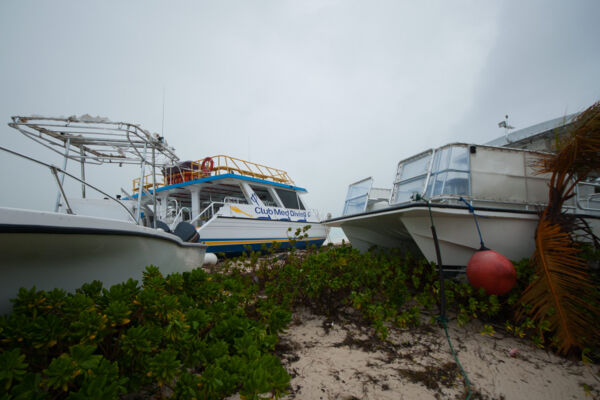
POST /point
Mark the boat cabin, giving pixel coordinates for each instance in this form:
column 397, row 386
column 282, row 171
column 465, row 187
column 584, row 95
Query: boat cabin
column 195, row 191
column 486, row 176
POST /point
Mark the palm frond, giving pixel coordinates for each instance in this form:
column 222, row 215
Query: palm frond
column 562, row 293
column 577, row 156
column 557, row 295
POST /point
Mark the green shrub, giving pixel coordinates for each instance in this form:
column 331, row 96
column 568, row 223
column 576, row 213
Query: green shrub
column 169, row 333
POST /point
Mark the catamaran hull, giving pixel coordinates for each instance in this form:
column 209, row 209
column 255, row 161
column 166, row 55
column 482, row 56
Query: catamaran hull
column 509, row 233
column 50, row 250
column 232, row 235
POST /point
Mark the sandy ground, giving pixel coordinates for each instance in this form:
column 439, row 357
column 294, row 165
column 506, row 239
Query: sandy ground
column 344, row 360
column 340, row 360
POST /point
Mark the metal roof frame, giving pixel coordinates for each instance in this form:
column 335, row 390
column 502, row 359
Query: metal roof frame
column 96, row 140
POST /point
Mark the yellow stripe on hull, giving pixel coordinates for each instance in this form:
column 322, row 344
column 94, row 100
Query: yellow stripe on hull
column 230, row 242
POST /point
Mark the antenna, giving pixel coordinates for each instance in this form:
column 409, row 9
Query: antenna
column 162, row 130
column 504, row 124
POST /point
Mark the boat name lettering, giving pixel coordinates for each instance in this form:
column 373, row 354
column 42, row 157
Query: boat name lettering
column 261, row 210
column 278, row 212
column 298, row 213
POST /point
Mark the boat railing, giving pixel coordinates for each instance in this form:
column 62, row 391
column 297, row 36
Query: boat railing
column 588, row 196
column 55, row 171
column 234, row 200
column 172, row 210
column 208, row 212
column 223, row 164
column 219, row 165
column 148, row 185
column 318, row 216
column 179, row 217
column 583, row 201
column 454, row 199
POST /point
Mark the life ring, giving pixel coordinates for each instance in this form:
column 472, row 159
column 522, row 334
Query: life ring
column 207, row 165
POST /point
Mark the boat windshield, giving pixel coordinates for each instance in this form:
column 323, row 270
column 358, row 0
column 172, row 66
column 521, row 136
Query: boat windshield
column 448, row 173
column 357, row 197
column 411, row 177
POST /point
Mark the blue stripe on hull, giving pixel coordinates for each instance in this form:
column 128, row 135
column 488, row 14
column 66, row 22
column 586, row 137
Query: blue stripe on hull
column 234, row 249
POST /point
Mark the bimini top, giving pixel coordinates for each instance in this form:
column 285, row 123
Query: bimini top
column 96, row 140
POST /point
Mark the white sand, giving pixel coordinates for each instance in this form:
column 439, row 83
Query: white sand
column 323, row 367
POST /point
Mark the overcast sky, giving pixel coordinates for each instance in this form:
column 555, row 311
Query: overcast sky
column 330, row 91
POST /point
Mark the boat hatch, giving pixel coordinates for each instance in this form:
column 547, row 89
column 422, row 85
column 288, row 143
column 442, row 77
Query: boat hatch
column 357, row 197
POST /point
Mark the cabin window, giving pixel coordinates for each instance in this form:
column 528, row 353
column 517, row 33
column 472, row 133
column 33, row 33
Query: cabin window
column 410, row 178
column 449, row 172
column 414, row 168
column 289, row 198
column 264, row 195
column 357, row 197
column 300, row 204
column 222, row 193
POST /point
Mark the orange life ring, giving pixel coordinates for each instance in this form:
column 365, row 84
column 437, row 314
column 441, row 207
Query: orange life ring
column 207, row 165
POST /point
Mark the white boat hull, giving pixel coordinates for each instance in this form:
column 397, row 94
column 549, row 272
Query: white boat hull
column 510, row 233
column 51, row 250
column 235, row 235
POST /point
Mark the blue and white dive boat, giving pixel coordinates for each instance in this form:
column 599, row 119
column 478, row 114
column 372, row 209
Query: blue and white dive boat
column 234, row 205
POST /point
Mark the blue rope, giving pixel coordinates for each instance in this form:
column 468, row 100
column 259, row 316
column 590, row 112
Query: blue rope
column 472, row 211
column 442, row 317
column 462, row 371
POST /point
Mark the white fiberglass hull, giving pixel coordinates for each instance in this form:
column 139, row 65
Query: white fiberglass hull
column 510, row 233
column 51, row 250
column 234, row 234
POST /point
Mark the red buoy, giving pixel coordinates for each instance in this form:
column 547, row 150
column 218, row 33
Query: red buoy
column 492, row 271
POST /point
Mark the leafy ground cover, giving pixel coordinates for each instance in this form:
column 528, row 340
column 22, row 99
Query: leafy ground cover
column 207, row 335
column 190, row 335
